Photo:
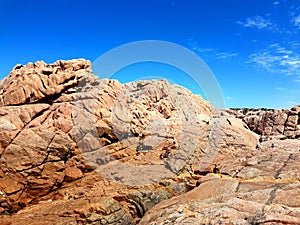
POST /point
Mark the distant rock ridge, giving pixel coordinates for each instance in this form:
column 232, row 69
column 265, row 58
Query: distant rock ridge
column 75, row 149
column 271, row 123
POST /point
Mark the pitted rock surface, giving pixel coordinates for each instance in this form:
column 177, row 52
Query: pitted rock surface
column 61, row 135
column 75, row 149
column 270, row 123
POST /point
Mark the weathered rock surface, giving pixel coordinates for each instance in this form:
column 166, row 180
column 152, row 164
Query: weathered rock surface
column 271, row 123
column 257, row 187
column 78, row 150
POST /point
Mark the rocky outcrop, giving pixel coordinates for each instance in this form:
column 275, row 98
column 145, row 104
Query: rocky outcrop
column 262, row 190
column 78, row 150
column 271, row 123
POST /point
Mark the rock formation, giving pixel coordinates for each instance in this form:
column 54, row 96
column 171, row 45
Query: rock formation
column 270, row 123
column 75, row 149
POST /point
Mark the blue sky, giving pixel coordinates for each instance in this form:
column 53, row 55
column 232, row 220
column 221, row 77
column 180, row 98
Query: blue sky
column 253, row 47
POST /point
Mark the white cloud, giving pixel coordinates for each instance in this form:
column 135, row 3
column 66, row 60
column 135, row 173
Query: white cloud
column 260, row 23
column 277, row 59
column 295, row 44
column 195, row 46
column 292, row 103
column 296, row 21
column 226, row 55
column 297, row 92
column 279, row 88
column 209, row 51
column 203, row 50
column 228, row 98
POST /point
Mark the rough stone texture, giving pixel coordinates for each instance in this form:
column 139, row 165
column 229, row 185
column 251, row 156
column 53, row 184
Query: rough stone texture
column 78, row 150
column 269, row 123
column 259, row 187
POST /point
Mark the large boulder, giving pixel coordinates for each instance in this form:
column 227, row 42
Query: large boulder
column 75, row 149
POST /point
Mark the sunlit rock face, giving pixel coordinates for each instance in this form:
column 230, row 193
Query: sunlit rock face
column 75, row 149
column 270, row 123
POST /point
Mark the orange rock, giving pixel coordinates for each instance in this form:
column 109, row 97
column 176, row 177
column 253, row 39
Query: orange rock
column 78, row 150
column 72, row 173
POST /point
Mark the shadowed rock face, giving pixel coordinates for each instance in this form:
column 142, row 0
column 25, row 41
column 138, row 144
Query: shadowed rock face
column 78, row 150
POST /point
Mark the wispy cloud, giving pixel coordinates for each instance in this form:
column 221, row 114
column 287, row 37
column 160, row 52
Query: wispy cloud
column 277, row 59
column 295, row 92
column 203, row 51
column 292, row 103
column 226, row 55
column 260, row 23
column 280, row 89
column 296, row 21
